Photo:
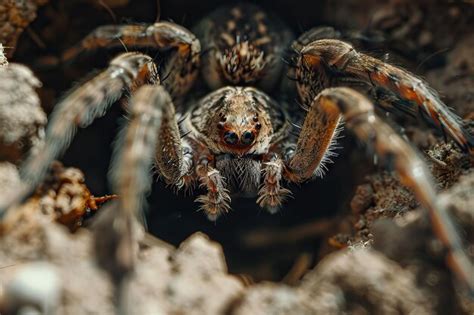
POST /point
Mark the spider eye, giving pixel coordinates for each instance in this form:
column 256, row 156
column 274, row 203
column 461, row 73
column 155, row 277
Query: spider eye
column 247, row 137
column 230, row 137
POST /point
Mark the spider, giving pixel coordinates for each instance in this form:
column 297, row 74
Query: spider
column 238, row 138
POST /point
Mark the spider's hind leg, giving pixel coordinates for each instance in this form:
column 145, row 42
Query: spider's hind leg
column 358, row 113
column 181, row 67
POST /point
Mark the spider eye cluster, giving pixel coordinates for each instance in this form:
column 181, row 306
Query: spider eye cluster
column 245, row 139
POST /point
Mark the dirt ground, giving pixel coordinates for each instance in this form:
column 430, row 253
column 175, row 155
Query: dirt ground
column 353, row 242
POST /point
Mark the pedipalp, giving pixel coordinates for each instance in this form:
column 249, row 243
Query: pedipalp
column 271, row 193
column 217, row 200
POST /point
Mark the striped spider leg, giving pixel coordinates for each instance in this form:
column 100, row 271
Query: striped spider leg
column 126, row 72
column 320, row 64
column 79, row 109
column 180, row 69
column 331, row 62
column 151, row 136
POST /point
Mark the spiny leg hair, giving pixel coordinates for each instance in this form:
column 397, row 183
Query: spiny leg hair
column 217, row 200
column 271, row 195
column 358, row 113
column 324, row 63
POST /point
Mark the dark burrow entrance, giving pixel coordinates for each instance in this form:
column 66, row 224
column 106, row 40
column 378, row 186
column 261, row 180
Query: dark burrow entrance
column 255, row 242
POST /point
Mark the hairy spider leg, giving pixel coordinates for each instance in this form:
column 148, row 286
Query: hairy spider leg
column 150, row 136
column 271, row 194
column 358, row 113
column 315, row 145
column 126, row 72
column 80, row 108
column 180, row 69
column 321, row 63
column 174, row 156
column 130, row 175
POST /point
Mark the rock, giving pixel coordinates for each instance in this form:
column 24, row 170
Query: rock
column 363, row 282
column 35, row 286
column 191, row 280
column 22, row 120
column 9, row 180
column 271, row 298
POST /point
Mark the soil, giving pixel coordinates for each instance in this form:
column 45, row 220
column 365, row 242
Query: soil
column 353, row 242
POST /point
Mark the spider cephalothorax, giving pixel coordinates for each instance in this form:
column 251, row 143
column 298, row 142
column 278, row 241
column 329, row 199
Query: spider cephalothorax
column 237, row 121
column 237, row 127
column 237, row 139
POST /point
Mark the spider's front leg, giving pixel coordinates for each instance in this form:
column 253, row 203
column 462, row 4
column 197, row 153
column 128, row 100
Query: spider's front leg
column 151, row 135
column 79, row 109
column 180, row 69
column 329, row 62
column 358, row 112
column 174, row 156
column 133, row 155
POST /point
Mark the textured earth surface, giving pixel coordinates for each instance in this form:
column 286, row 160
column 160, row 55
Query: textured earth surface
column 354, row 242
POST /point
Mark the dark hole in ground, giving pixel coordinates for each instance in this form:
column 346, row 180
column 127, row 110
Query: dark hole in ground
column 173, row 217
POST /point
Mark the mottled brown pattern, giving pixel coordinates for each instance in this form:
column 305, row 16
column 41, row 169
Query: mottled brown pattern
column 243, row 46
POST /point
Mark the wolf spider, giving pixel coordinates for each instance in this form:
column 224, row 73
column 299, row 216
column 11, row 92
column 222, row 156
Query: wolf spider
column 237, row 138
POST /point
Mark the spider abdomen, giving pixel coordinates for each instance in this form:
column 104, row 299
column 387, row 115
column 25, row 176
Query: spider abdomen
column 243, row 45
